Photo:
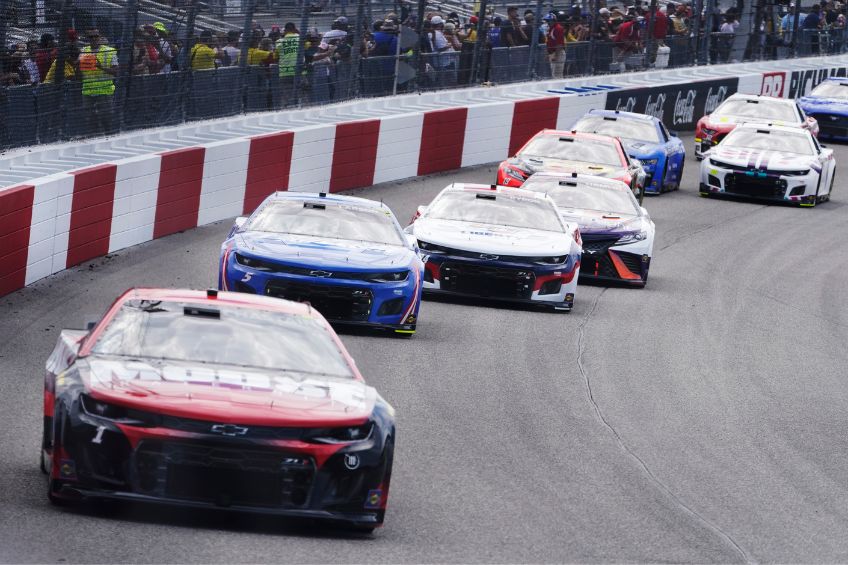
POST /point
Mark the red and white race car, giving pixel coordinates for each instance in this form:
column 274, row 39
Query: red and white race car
column 554, row 151
column 741, row 108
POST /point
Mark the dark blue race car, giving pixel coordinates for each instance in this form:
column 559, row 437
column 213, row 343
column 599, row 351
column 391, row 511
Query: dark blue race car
column 646, row 139
column 345, row 256
column 828, row 104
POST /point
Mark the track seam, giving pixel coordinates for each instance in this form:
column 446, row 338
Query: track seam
column 581, row 339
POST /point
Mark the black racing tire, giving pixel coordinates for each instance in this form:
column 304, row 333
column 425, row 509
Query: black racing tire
column 680, row 174
column 830, row 191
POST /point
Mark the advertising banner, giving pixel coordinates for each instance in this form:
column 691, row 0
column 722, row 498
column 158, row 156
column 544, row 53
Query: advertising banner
column 678, row 106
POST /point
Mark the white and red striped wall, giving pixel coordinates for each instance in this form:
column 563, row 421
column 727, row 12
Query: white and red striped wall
column 58, row 221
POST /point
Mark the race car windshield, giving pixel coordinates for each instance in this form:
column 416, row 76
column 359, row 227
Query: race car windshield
column 222, row 335
column 576, row 149
column 636, row 130
column 582, row 197
column 327, row 220
column 831, row 89
column 763, row 110
column 496, row 209
column 782, row 141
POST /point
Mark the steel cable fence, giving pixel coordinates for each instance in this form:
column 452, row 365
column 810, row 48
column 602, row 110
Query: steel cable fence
column 130, row 64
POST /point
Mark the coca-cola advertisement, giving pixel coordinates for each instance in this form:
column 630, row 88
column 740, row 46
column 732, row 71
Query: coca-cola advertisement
column 678, row 106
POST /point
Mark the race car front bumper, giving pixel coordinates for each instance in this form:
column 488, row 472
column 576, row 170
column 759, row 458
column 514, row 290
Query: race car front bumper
column 603, row 261
column 553, row 286
column 181, row 463
column 800, row 189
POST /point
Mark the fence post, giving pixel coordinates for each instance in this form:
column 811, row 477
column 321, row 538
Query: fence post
column 708, row 32
column 534, row 42
column 125, row 59
column 298, row 68
column 355, row 55
column 593, row 33
column 184, row 59
column 247, row 39
column 4, row 24
column 416, row 51
column 649, row 44
column 696, row 31
column 475, row 59
column 796, row 33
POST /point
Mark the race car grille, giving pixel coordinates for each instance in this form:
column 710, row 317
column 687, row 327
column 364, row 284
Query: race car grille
column 223, row 475
column 595, row 260
column 832, row 124
column 632, row 261
column 339, row 303
column 597, row 245
column 250, row 432
column 747, row 185
column 273, row 267
column 487, row 281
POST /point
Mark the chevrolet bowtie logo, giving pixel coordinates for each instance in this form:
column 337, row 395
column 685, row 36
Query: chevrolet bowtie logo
column 228, row 430
column 488, row 257
column 322, row 274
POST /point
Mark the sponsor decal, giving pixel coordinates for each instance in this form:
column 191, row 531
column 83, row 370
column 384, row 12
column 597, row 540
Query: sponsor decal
column 678, row 106
column 351, row 461
column 802, row 83
column 372, row 500
column 773, row 84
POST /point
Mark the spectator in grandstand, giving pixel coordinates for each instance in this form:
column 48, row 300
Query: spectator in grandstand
column 204, row 54
column 451, row 36
column 787, row 24
column 167, row 53
column 260, row 53
column 71, row 69
column 513, row 33
column 811, row 26
column 603, row 31
column 141, row 62
column 287, row 48
column 493, row 36
column 556, row 44
column 528, row 26
column 98, row 64
column 231, row 51
column 724, row 38
column 319, row 57
column 677, row 18
column 45, row 54
column 626, row 41
column 579, row 29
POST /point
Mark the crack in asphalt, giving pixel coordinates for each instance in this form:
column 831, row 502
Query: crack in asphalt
column 660, row 485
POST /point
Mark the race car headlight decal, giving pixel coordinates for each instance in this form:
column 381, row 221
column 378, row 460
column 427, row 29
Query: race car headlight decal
column 431, row 247
column 257, row 264
column 632, row 238
column 119, row 414
column 558, row 260
column 390, row 277
column 516, row 172
column 341, row 435
column 800, row 173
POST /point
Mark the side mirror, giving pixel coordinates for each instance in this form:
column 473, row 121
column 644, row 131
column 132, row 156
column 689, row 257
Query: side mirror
column 673, row 134
column 240, row 222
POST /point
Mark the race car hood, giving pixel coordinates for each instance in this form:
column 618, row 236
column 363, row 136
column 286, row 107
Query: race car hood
column 767, row 160
column 323, row 252
column 595, row 222
column 641, row 149
column 229, row 395
column 488, row 238
column 727, row 123
column 538, row 165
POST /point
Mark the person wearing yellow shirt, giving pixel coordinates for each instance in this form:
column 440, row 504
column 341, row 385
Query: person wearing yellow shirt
column 70, row 68
column 203, row 55
column 98, row 64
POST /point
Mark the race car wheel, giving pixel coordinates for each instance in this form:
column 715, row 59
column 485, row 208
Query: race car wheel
column 830, row 190
column 680, row 175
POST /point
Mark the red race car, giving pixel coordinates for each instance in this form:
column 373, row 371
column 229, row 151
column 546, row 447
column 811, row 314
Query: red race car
column 573, row 152
column 216, row 400
column 749, row 108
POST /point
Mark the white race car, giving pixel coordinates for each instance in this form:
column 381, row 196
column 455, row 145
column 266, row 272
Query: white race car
column 496, row 242
column 770, row 162
column 744, row 108
column 617, row 233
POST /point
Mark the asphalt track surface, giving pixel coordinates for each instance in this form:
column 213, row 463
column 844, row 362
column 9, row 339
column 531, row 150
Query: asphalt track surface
column 701, row 419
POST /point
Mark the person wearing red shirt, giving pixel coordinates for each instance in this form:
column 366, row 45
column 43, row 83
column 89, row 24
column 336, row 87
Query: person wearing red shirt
column 555, row 44
column 626, row 41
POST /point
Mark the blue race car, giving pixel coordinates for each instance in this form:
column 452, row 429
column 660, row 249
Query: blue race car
column 347, row 257
column 828, row 104
column 646, row 139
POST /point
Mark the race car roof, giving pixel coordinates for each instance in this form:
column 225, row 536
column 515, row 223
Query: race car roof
column 327, row 198
column 580, row 179
column 760, row 97
column 488, row 188
column 772, row 127
column 211, row 298
column 622, row 115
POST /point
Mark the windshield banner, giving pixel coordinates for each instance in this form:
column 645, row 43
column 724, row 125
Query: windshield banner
column 678, row 106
